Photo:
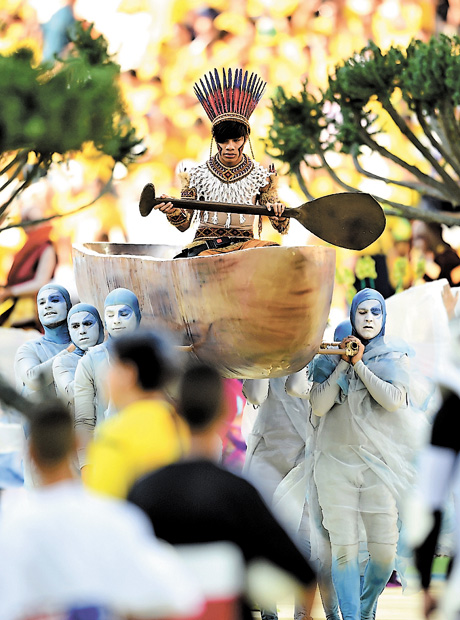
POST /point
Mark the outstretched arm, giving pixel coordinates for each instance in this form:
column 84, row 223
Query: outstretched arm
column 31, row 370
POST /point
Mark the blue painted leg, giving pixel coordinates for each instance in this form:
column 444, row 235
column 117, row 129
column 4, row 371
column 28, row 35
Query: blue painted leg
column 328, row 594
column 375, row 579
column 345, row 576
column 374, row 611
column 267, row 614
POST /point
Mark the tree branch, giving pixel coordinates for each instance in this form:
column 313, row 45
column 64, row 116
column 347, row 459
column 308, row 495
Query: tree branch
column 407, row 131
column 418, row 187
column 415, row 213
column 20, row 156
column 302, row 184
column 450, row 126
column 424, row 178
column 448, row 155
column 18, row 169
column 59, row 215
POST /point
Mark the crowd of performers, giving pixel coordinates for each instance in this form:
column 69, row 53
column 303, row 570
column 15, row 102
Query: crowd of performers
column 334, row 450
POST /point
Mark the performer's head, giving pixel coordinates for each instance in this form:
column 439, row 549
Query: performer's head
column 85, row 327
column 229, row 102
column 230, row 137
column 122, row 314
column 53, row 304
column 343, row 330
column 368, row 315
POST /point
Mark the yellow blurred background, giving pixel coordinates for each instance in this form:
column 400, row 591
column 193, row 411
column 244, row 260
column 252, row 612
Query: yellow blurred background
column 163, row 47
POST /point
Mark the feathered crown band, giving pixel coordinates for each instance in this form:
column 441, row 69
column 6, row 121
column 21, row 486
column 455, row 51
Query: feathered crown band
column 233, row 99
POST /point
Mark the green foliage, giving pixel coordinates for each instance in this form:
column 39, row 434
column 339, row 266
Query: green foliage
column 366, row 75
column 346, row 277
column 365, row 268
column 432, row 73
column 400, row 270
column 297, row 125
column 58, row 109
column 413, row 92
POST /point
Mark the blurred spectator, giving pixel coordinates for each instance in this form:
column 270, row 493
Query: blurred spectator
column 59, row 18
column 438, row 480
column 441, row 260
column 33, row 266
column 146, row 433
column 70, row 551
column 196, row 501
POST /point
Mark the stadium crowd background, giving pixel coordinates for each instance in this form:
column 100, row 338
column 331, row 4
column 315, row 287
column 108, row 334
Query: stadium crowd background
column 163, row 47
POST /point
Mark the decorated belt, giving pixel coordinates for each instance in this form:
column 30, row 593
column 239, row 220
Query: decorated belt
column 211, row 233
column 209, row 244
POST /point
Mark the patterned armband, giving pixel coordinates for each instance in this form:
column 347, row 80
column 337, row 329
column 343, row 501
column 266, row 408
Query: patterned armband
column 269, row 195
column 281, row 225
column 177, row 220
column 186, row 191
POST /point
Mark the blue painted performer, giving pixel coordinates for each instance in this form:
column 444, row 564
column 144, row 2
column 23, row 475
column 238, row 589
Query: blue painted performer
column 86, row 330
column 33, row 363
column 121, row 316
column 365, row 443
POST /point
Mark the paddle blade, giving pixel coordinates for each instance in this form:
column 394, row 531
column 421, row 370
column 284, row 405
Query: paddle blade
column 146, row 203
column 350, row 220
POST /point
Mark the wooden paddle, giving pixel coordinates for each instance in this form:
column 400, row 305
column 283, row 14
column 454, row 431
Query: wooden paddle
column 350, row 220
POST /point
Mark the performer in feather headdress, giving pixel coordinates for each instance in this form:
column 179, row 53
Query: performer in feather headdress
column 228, row 176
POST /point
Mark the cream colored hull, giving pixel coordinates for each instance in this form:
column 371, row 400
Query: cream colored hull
column 254, row 313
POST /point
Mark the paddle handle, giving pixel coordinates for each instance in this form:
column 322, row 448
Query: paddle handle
column 222, row 207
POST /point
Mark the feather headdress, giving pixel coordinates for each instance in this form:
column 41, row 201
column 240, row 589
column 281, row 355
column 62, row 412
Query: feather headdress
column 233, row 99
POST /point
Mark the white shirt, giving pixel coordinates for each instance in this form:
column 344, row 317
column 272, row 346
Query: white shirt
column 67, row 547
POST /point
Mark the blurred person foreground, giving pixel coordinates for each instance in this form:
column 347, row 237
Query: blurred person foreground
column 196, row 501
column 68, row 553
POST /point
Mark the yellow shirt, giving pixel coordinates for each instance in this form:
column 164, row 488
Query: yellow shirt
column 142, row 437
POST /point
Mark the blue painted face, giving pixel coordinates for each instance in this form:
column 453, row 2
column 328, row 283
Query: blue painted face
column 369, row 319
column 52, row 307
column 83, row 330
column 120, row 319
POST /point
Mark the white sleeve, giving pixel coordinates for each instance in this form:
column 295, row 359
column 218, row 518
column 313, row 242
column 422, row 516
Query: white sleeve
column 256, row 390
column 391, row 396
column 323, row 395
column 298, row 384
column 64, row 380
column 29, row 369
column 85, row 412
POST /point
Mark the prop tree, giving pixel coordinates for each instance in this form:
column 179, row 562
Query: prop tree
column 415, row 92
column 51, row 110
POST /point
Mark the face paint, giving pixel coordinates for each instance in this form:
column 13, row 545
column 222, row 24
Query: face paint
column 369, row 319
column 52, row 307
column 84, row 330
column 120, row 319
column 231, row 151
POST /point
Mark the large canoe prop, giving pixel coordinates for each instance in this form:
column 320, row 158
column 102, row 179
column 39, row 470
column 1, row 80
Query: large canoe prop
column 253, row 313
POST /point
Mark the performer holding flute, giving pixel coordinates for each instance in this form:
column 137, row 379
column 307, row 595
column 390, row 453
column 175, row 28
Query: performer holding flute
column 366, row 439
column 229, row 176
